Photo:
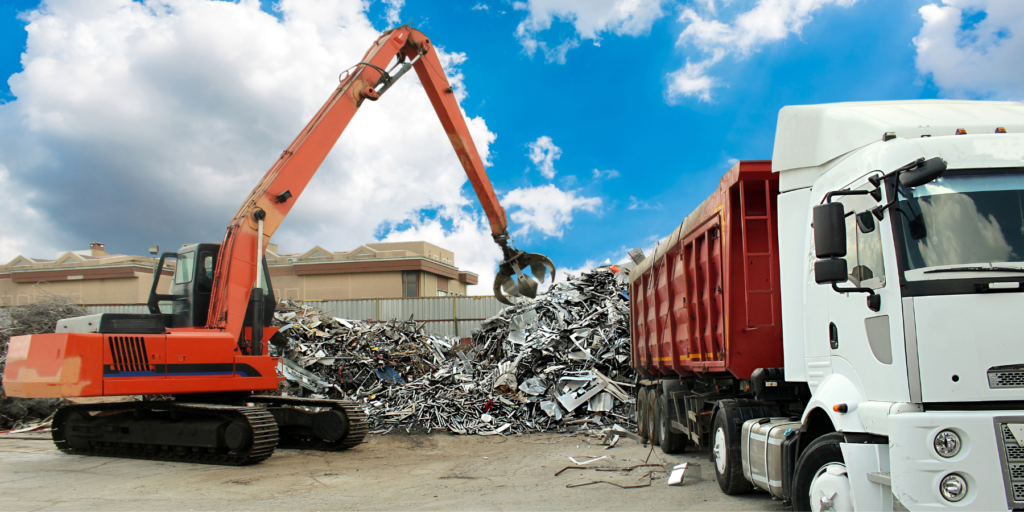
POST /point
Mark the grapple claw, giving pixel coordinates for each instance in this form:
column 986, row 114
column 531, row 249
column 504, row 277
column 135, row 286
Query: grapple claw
column 514, row 282
column 501, row 281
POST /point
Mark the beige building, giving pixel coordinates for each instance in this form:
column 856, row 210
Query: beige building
column 87, row 277
column 381, row 270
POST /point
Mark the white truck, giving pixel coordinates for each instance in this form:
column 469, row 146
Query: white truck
column 900, row 247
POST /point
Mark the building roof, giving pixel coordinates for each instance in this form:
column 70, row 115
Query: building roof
column 375, row 257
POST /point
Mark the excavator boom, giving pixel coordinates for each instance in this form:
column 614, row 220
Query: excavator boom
column 287, row 178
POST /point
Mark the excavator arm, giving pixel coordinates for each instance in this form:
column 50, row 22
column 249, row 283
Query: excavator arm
column 267, row 205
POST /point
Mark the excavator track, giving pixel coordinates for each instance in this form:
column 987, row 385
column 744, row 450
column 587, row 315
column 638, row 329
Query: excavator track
column 167, row 431
column 301, row 437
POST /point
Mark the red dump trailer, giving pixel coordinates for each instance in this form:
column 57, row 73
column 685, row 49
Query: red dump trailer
column 706, row 312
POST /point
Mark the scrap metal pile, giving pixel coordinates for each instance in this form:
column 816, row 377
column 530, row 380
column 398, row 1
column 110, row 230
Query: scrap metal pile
column 559, row 362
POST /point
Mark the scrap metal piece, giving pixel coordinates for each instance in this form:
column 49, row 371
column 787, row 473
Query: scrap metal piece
column 601, row 402
column 581, row 395
column 552, row 409
column 583, row 463
column 689, row 470
column 533, row 386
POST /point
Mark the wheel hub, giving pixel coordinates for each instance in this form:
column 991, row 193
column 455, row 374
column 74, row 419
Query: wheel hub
column 830, row 489
column 720, row 451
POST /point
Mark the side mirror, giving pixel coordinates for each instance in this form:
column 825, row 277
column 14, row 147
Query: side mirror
column 928, row 172
column 829, row 230
column 830, row 271
column 866, row 221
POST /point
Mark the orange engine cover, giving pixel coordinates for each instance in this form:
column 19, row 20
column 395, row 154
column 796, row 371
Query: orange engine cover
column 178, row 362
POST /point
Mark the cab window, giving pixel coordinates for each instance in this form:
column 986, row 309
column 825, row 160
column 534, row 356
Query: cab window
column 183, row 269
column 863, row 242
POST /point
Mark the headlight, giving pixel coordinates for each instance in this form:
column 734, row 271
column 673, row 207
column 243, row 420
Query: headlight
column 953, row 487
column 947, row 443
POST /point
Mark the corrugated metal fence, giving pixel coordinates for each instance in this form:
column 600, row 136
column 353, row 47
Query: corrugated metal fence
column 448, row 316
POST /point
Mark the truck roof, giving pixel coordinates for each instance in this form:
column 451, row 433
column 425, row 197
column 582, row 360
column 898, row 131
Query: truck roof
column 810, row 135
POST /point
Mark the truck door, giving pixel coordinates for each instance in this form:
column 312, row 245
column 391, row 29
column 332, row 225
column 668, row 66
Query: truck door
column 867, row 346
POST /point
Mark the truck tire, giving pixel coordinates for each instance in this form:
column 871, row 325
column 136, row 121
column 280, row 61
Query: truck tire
column 641, row 413
column 671, row 442
column 820, row 478
column 652, row 416
column 726, row 457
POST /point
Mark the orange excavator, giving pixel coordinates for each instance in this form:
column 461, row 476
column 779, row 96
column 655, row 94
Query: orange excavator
column 210, row 352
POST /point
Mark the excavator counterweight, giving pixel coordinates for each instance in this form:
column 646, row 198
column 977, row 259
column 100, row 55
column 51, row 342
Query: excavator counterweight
column 210, row 351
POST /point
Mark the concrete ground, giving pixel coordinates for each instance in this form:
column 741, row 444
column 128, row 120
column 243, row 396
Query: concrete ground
column 397, row 472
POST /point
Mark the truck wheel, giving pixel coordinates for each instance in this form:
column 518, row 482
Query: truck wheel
column 641, row 413
column 671, row 442
column 652, row 416
column 820, row 480
column 726, row 456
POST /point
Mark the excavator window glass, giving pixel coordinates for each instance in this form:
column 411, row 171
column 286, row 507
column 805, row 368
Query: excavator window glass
column 183, row 270
column 204, row 278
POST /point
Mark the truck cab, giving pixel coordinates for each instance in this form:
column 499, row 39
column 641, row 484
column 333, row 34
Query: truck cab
column 912, row 351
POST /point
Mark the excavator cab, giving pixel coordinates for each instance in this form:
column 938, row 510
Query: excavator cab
column 191, row 285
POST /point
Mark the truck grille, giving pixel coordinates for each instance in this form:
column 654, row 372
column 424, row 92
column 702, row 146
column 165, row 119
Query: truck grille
column 1005, row 378
column 1012, row 462
column 129, row 353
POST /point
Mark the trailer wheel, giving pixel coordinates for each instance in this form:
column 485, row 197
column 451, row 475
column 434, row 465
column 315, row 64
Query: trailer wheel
column 726, row 457
column 641, row 413
column 652, row 416
column 671, row 442
column 820, row 478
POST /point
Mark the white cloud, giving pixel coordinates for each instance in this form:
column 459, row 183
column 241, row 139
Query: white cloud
column 981, row 59
column 691, row 80
column 543, row 153
column 562, row 274
column 590, row 19
column 546, row 209
column 481, row 7
column 477, row 251
column 767, row 22
column 178, row 108
column 393, row 12
column 639, row 204
column 605, row 175
column 557, row 54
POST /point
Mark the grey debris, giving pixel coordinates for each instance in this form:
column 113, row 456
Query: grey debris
column 556, row 363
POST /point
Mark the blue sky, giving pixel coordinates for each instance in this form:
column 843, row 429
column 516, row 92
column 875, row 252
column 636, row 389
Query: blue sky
column 612, row 107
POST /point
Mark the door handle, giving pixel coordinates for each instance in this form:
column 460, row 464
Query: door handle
column 833, row 336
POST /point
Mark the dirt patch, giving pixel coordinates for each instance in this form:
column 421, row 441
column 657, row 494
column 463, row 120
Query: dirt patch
column 435, row 472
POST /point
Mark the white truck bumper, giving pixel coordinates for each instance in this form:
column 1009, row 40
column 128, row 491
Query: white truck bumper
column 984, row 460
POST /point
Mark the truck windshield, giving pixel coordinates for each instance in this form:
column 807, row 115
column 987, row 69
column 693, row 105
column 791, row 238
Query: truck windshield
column 964, row 218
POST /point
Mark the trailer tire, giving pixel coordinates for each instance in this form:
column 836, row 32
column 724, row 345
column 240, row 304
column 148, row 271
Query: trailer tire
column 821, row 467
column 641, row 413
column 671, row 442
column 726, row 458
column 652, row 416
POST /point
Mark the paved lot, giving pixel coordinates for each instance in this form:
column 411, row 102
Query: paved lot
column 429, row 472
